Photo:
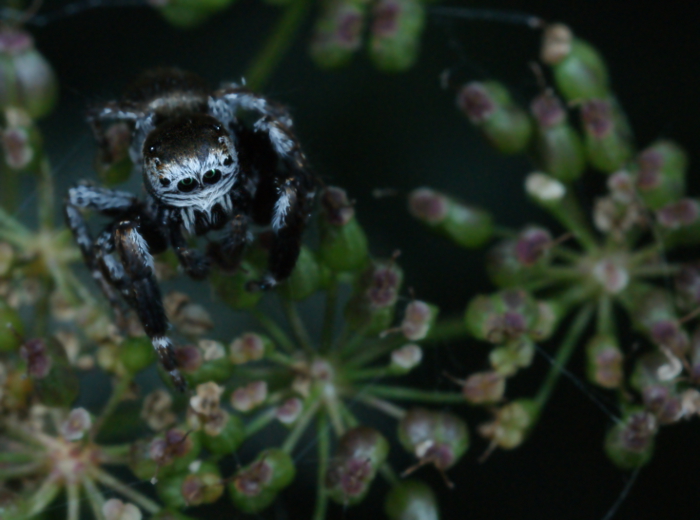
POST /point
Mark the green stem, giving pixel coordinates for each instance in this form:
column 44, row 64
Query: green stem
column 297, row 325
column 604, row 320
column 333, row 409
column 383, row 406
column 654, row 271
column 565, row 351
column 413, row 394
column 329, row 314
column 9, row 195
column 9, row 472
column 367, row 373
column 348, row 417
column 120, row 389
column 73, row 492
column 569, row 214
column 447, row 329
column 46, row 195
column 278, row 43
column 300, row 427
column 259, row 422
column 116, row 454
column 95, row 498
column 389, row 474
column 42, row 497
column 324, row 447
column 274, row 330
column 14, row 457
column 130, row 493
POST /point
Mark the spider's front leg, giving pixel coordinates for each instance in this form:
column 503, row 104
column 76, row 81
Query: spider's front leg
column 293, row 191
column 145, row 296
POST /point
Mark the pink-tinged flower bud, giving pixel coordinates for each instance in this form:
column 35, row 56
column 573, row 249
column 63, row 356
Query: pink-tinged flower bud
column 256, row 486
column 371, row 306
column 411, row 500
column 405, row 359
column 611, row 273
column 360, row 453
column 169, row 453
column 395, row 34
column 606, row 135
column 501, row 316
column 579, row 70
column 558, row 145
column 157, row 410
column 549, row 314
column 489, row 107
column 506, row 270
column 680, row 214
column 511, row 424
column 290, row 411
column 604, row 361
column 484, row 388
column 76, row 424
column 532, row 245
column 465, row 225
column 664, row 402
column 115, row 509
column 249, row 347
column 661, row 171
column 655, row 368
column 630, row 444
column 687, row 283
column 189, row 358
column 249, row 397
column 338, row 32
column 669, row 335
column 26, row 78
column 35, row 353
column 437, row 438
column 343, row 244
column 617, row 217
column 418, row 319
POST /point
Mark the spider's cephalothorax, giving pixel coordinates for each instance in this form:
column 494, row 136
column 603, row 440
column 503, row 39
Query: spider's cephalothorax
column 203, row 169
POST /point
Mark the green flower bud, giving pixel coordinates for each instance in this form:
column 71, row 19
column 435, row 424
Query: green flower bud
column 411, row 500
column 231, row 288
column 404, row 359
column 136, row 354
column 606, row 135
column 256, row 486
column 55, row 381
column 202, row 485
column 360, row 453
column 343, row 244
column 371, row 306
column 439, row 438
column 501, row 316
column 518, row 353
column 511, row 424
column 579, row 71
column 395, row 34
column 26, row 78
column 21, row 141
column 549, row 314
column 630, row 444
column 338, row 32
column 11, row 328
column 489, row 107
column 661, row 171
column 664, row 402
column 228, row 439
column 655, row 368
column 187, row 14
column 465, row 225
column 681, row 222
column 648, row 306
column 558, row 145
column 306, row 278
column 604, row 361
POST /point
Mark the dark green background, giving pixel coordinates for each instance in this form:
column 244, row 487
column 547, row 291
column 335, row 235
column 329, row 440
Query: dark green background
column 364, row 130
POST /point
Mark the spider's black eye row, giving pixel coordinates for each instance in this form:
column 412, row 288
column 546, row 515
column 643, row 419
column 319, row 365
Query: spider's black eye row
column 164, row 182
column 186, row 185
column 212, row 177
column 228, row 161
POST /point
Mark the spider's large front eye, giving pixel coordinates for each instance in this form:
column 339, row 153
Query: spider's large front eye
column 212, row 177
column 187, row 184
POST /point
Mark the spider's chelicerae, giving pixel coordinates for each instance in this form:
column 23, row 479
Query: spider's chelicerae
column 204, row 169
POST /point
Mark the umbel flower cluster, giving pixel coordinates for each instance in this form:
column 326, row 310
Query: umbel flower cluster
column 303, row 386
column 588, row 285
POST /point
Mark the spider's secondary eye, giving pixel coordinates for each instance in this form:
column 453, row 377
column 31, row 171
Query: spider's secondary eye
column 212, row 177
column 187, row 184
column 228, row 161
column 164, row 182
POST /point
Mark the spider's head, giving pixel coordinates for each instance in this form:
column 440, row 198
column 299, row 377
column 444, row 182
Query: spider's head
column 190, row 162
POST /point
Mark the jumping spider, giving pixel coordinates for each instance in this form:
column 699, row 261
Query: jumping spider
column 204, row 169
